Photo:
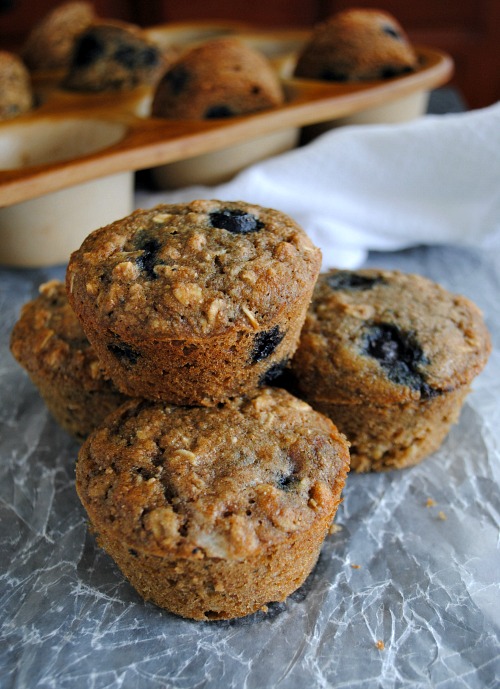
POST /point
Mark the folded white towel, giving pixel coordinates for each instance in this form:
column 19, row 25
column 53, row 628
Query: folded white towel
column 435, row 180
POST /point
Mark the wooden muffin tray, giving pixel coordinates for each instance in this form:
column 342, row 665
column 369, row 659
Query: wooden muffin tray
column 138, row 141
column 67, row 167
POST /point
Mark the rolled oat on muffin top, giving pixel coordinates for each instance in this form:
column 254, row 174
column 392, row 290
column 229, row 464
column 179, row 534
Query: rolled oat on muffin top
column 194, row 303
column 389, row 357
column 213, row 512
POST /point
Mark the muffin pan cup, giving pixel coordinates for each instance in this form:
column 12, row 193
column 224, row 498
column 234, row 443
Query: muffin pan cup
column 50, row 200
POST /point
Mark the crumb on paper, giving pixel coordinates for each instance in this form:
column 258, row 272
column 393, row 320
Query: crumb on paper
column 380, row 645
column 264, row 608
column 430, row 502
column 442, row 516
column 334, row 528
column 355, row 566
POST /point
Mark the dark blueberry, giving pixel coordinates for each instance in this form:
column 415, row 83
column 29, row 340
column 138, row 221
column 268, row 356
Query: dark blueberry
column 216, row 111
column 426, row 392
column 170, row 494
column 149, row 257
column 177, row 78
column 274, row 373
column 287, row 482
column 149, row 57
column 126, row 56
column 88, row 50
column 124, row 352
column 237, row 221
column 329, row 74
column 344, row 279
column 391, row 31
column 265, row 343
column 145, row 473
column 400, row 355
column 131, row 57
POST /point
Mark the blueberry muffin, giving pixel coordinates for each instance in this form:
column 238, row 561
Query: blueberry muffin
column 113, row 56
column 220, row 78
column 50, row 43
column 16, row 94
column 194, row 303
column 213, row 512
column 357, row 45
column 389, row 357
column 51, row 346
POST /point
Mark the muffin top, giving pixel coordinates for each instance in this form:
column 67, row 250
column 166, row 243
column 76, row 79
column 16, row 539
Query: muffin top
column 113, row 56
column 211, row 482
column 220, row 78
column 48, row 339
column 16, row 94
column 50, row 43
column 387, row 337
column 356, row 45
column 192, row 270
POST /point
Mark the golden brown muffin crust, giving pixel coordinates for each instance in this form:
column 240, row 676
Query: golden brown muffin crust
column 49, row 343
column 220, row 483
column 194, row 303
column 50, row 43
column 357, row 45
column 16, row 93
column 220, row 78
column 174, row 271
column 49, row 338
column 388, row 337
column 389, row 357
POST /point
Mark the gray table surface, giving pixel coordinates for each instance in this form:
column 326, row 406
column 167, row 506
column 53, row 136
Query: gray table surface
column 427, row 584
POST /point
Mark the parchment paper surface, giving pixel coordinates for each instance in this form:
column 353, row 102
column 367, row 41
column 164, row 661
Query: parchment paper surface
column 415, row 564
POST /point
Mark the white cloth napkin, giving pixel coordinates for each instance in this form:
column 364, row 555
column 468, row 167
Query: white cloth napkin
column 435, row 180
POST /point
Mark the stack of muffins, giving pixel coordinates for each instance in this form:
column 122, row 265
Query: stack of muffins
column 210, row 486
column 212, row 490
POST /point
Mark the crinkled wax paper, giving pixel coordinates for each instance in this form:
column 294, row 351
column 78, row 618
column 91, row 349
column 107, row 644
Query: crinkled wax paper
column 405, row 594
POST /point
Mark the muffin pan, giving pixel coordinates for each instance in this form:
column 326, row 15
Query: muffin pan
column 67, row 167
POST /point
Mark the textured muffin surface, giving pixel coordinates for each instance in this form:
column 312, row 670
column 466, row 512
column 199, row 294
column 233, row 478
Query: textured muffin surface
column 220, row 489
column 50, row 43
column 215, row 290
column 218, row 79
column 49, row 343
column 113, row 56
column 16, row 94
column 389, row 357
column 390, row 337
column 357, row 45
